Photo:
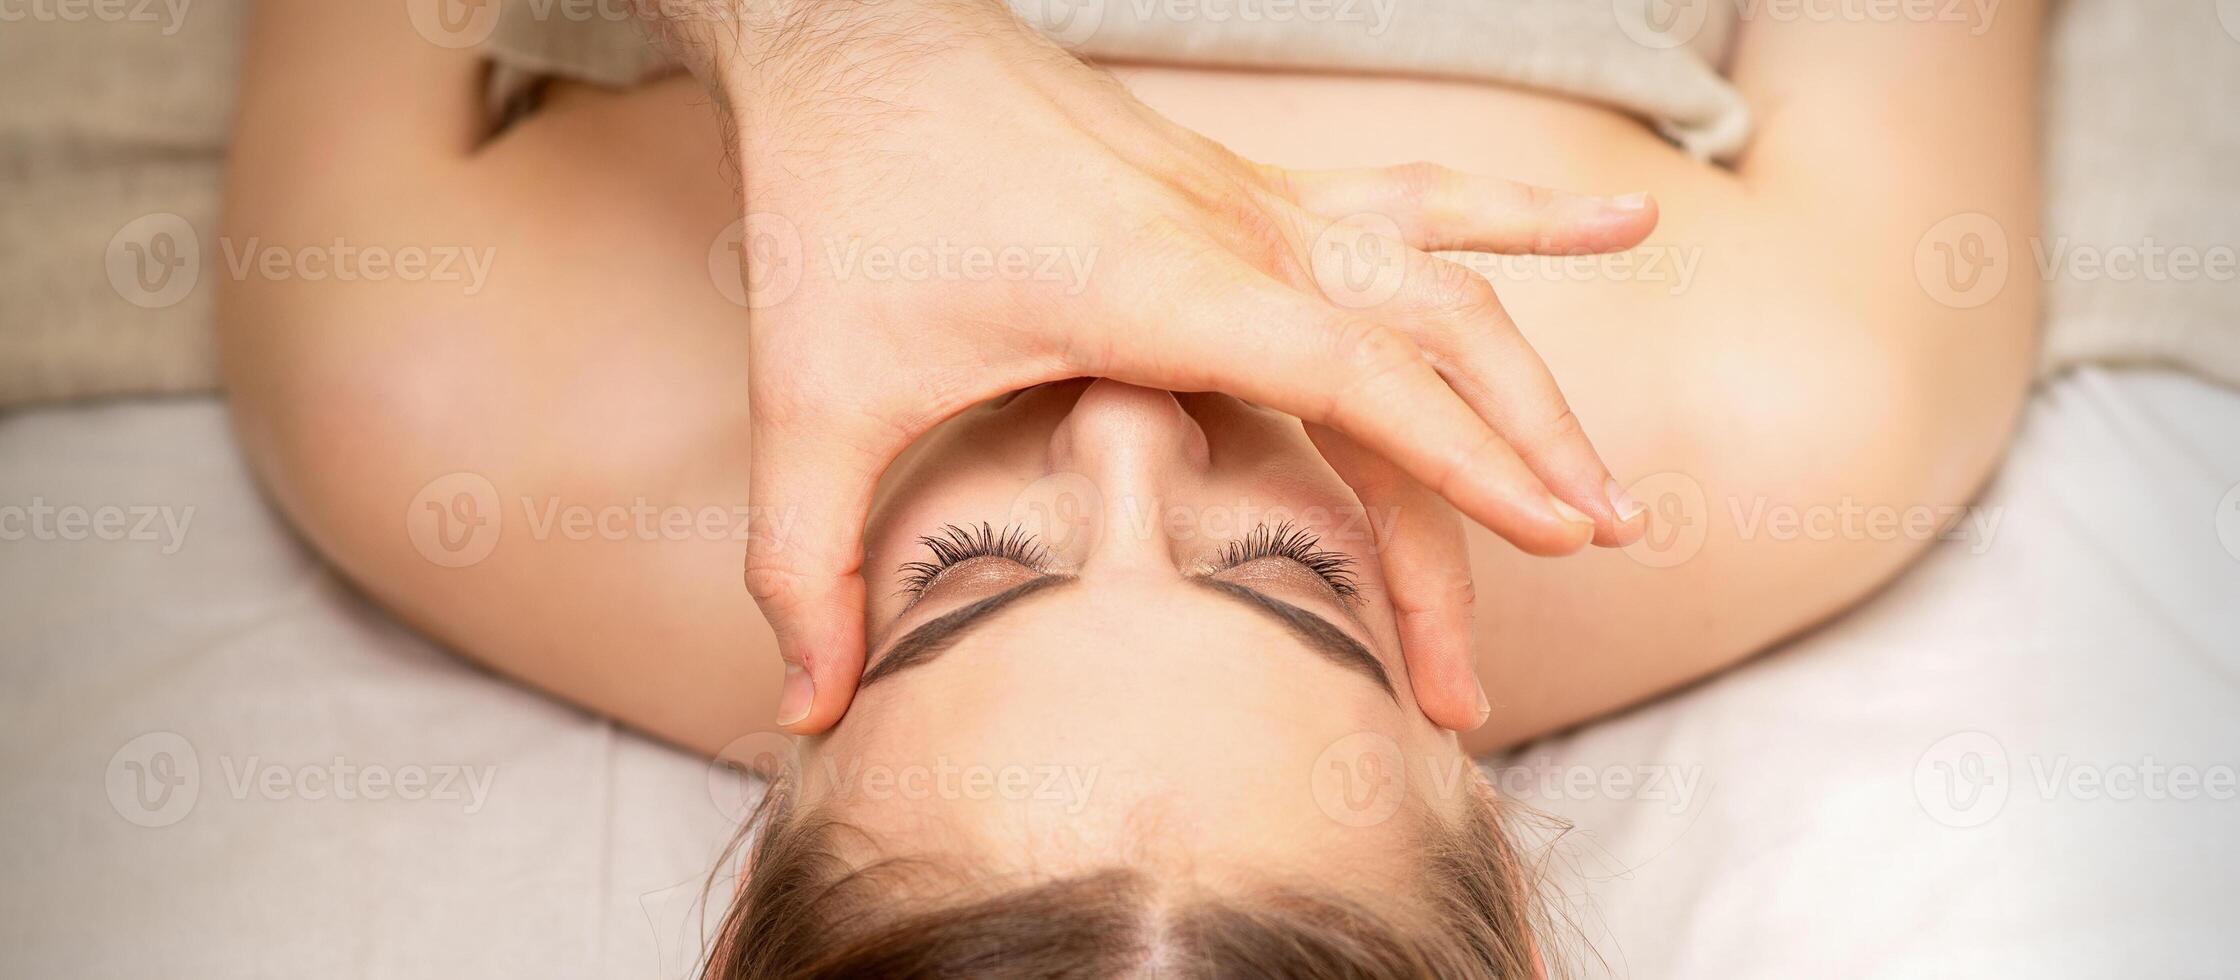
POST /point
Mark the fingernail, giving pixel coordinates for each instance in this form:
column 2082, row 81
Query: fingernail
column 1622, row 502
column 1569, row 513
column 800, row 695
column 1631, row 202
column 1485, row 707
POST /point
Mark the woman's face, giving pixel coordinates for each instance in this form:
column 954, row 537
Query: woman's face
column 1151, row 629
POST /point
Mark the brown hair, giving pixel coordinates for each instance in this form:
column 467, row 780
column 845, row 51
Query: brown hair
column 806, row 913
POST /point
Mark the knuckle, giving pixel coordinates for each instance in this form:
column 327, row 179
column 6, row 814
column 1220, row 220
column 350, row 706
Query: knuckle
column 1371, row 356
column 1420, row 180
column 1539, row 198
column 1371, row 351
column 1458, row 592
column 776, row 588
column 1465, row 465
column 1451, row 287
column 1563, row 427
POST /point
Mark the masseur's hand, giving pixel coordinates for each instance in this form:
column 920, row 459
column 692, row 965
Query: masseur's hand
column 941, row 207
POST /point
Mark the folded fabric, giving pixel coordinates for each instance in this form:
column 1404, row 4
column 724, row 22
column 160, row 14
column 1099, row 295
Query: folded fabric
column 113, row 141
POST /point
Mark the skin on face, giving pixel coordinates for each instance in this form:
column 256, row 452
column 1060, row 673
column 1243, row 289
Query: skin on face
column 1137, row 700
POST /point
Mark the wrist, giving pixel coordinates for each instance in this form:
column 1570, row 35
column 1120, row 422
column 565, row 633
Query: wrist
column 756, row 54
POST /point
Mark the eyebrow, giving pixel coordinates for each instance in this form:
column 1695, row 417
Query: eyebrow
column 935, row 637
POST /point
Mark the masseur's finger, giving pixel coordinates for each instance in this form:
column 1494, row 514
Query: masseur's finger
column 1328, row 365
column 1452, row 311
column 1427, row 574
column 809, row 497
column 1438, row 208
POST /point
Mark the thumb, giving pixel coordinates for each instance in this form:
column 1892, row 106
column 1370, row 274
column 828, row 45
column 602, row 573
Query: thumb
column 1426, row 563
column 809, row 500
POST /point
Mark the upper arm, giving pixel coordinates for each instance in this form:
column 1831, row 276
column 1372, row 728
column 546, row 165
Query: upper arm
column 1843, row 349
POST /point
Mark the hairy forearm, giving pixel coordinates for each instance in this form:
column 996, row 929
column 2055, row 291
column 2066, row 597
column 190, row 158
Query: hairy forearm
column 756, row 53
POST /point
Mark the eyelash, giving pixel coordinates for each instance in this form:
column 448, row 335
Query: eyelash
column 953, row 545
column 1297, row 544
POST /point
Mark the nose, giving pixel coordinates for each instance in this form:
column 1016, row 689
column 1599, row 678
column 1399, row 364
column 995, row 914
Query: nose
column 1137, row 447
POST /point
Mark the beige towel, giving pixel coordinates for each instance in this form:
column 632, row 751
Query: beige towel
column 1618, row 51
column 113, row 133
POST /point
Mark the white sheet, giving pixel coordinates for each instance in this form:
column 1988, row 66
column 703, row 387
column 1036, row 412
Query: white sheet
column 1785, row 835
